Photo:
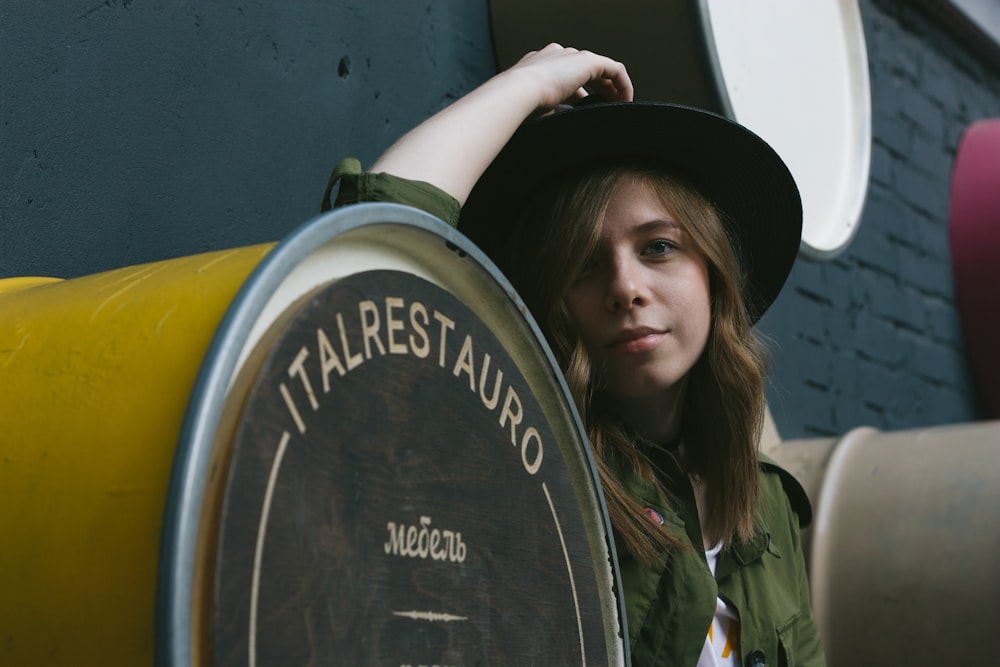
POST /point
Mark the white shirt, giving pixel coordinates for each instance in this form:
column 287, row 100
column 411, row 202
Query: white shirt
column 722, row 645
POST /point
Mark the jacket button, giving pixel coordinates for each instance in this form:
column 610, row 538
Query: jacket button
column 756, row 659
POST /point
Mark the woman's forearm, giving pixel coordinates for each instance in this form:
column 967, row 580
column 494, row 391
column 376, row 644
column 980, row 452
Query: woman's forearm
column 452, row 148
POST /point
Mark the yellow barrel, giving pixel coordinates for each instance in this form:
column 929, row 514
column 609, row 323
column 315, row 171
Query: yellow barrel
column 95, row 378
column 124, row 396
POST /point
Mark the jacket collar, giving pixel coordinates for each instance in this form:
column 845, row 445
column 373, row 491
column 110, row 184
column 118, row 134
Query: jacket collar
column 739, row 554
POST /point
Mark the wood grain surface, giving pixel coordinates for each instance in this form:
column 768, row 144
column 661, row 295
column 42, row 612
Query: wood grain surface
column 395, row 497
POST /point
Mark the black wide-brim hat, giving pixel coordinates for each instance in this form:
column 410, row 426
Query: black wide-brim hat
column 737, row 171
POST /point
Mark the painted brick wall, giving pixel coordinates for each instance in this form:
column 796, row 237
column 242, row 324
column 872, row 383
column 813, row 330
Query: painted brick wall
column 873, row 337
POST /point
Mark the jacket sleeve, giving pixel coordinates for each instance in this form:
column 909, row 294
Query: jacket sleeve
column 357, row 186
column 787, row 509
column 806, row 645
column 797, row 496
column 801, row 638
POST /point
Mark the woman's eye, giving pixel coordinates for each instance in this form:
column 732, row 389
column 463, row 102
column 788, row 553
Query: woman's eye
column 659, row 247
column 586, row 268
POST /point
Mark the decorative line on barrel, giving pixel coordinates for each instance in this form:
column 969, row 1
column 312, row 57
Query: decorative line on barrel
column 259, row 549
column 430, row 616
column 569, row 570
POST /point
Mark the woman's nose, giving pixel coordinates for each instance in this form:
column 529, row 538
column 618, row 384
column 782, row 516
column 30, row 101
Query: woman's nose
column 624, row 286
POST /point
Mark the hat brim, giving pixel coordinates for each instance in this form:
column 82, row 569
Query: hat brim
column 731, row 166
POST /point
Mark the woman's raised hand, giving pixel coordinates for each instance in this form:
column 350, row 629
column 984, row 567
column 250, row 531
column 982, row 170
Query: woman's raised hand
column 565, row 74
column 452, row 148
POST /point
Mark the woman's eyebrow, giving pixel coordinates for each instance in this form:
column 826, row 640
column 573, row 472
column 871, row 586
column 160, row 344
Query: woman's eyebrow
column 656, row 224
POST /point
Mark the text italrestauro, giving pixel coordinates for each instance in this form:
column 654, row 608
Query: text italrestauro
column 396, row 327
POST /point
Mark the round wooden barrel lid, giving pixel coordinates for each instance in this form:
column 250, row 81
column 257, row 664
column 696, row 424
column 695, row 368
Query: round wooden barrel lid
column 395, row 474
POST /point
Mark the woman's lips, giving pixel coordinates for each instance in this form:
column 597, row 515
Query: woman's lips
column 641, row 339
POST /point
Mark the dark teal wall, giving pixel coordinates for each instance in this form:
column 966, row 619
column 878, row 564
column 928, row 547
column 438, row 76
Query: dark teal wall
column 137, row 130
column 133, row 130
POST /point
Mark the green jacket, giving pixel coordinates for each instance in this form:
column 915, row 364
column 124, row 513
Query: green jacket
column 669, row 610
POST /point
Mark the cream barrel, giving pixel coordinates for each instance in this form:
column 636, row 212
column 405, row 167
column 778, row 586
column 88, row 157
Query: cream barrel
column 903, row 548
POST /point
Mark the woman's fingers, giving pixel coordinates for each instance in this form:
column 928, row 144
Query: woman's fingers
column 566, row 73
column 613, row 81
column 615, row 85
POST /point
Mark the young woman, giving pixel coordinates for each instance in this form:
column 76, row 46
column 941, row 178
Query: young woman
column 646, row 239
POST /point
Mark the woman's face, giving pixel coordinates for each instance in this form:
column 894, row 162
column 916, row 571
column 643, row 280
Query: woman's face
column 642, row 300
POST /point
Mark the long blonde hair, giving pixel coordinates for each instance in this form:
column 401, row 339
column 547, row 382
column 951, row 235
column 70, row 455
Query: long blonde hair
column 724, row 396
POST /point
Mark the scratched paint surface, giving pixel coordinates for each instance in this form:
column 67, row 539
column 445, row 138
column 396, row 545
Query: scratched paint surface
column 96, row 374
